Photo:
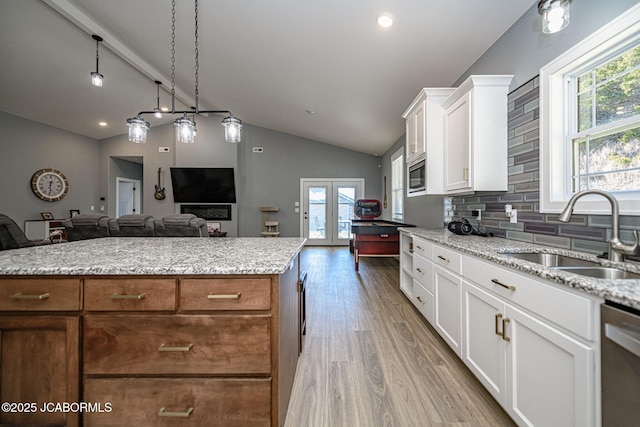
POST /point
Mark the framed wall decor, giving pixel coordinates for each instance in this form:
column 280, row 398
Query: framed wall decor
column 213, row 227
column 73, row 212
column 46, row 215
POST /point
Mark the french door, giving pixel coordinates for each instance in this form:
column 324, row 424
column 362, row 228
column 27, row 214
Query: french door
column 327, row 209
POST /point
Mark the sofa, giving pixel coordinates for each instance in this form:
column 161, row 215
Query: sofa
column 91, row 226
column 12, row 237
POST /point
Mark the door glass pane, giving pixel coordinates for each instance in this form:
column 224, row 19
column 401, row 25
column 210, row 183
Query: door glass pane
column 317, row 212
column 346, row 199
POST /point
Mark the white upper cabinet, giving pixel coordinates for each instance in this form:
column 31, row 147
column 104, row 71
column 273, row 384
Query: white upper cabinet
column 425, row 135
column 475, row 135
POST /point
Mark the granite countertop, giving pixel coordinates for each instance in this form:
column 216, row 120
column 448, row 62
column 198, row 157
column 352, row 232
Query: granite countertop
column 154, row 255
column 623, row 291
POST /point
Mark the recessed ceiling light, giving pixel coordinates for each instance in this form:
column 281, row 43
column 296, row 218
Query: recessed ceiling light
column 165, row 109
column 385, row 20
column 103, row 124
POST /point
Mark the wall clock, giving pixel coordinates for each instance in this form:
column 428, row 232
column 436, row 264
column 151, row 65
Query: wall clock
column 49, row 184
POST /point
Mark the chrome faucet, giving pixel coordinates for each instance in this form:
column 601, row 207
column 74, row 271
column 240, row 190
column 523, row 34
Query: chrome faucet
column 617, row 249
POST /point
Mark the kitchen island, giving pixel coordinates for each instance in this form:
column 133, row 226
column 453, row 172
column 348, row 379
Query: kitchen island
column 150, row 331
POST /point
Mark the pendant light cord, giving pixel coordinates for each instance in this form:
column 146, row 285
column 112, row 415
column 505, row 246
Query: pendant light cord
column 196, row 49
column 173, row 56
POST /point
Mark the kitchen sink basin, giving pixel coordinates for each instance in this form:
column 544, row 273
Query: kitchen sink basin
column 552, row 260
column 574, row 265
column 601, row 272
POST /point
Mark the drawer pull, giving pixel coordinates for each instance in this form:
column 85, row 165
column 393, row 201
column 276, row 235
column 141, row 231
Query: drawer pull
column 164, row 347
column 420, row 247
column 497, row 282
column 504, row 329
column 420, row 299
column 223, row 296
column 164, row 413
column 118, row 296
column 27, row 296
column 444, row 259
column 419, row 270
column 498, row 333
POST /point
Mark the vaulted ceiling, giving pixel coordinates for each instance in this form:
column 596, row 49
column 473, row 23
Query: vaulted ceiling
column 271, row 62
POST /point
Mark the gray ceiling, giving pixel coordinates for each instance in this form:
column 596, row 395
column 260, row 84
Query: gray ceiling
column 267, row 61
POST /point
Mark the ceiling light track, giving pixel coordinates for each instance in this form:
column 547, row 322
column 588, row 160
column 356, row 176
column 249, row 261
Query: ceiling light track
column 185, row 127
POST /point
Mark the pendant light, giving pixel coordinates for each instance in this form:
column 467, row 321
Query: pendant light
column 185, row 126
column 96, row 77
column 157, row 112
column 555, row 15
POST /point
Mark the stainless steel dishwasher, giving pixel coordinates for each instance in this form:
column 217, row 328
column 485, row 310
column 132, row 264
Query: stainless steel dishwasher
column 620, row 365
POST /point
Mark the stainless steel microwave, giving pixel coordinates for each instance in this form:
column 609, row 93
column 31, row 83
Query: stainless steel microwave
column 417, row 177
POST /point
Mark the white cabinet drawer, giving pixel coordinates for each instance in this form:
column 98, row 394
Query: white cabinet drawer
column 422, row 247
column 423, row 272
column 446, row 258
column 573, row 312
column 423, row 301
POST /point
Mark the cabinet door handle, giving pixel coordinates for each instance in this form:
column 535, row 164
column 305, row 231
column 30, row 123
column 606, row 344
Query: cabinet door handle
column 420, row 299
column 443, row 258
column 224, row 296
column 28, row 296
column 118, row 296
column 465, row 174
column 164, row 347
column 504, row 329
column 164, row 413
column 497, row 282
column 498, row 317
column 419, row 270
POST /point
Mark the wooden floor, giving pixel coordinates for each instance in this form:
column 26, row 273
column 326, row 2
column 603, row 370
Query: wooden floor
column 370, row 359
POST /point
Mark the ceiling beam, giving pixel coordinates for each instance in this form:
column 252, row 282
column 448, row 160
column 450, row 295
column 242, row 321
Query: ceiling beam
column 90, row 26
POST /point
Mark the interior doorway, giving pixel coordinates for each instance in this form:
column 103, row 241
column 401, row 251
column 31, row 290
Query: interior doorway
column 327, row 209
column 127, row 196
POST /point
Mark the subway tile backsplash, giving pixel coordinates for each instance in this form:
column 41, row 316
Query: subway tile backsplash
column 588, row 233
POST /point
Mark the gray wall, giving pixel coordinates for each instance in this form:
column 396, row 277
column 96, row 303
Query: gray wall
column 28, row 146
column 272, row 178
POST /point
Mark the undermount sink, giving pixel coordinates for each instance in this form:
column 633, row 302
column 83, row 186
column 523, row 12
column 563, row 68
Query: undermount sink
column 574, row 265
column 552, row 260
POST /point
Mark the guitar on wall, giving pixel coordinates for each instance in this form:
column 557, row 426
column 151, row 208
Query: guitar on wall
column 159, row 194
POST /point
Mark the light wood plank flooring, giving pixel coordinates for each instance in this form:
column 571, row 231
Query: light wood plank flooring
column 370, row 359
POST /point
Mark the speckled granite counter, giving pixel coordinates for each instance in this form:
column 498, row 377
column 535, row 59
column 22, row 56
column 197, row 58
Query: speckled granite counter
column 157, row 255
column 626, row 292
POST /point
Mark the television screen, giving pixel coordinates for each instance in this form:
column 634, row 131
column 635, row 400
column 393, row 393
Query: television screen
column 203, row 185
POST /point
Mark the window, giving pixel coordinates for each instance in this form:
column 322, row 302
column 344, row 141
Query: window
column 590, row 120
column 397, row 185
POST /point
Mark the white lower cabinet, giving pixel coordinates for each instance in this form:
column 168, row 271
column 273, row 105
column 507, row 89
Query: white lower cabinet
column 533, row 344
column 447, row 320
column 540, row 375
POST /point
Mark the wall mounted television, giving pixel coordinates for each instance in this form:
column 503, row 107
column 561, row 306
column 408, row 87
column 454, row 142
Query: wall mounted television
column 203, row 185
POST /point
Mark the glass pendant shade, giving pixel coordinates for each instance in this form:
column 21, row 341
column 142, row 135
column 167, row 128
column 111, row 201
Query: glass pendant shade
column 232, row 129
column 185, row 130
column 96, row 78
column 138, row 128
column 555, row 15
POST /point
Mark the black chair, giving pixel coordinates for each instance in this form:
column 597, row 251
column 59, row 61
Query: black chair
column 133, row 225
column 86, row 226
column 12, row 237
column 181, row 225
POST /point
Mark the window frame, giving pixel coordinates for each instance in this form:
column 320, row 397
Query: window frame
column 556, row 115
column 397, row 156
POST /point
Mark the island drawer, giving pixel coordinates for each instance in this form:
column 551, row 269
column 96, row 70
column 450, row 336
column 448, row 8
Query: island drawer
column 447, row 258
column 129, row 294
column 423, row 272
column 177, row 344
column 225, row 294
column 570, row 310
column 422, row 247
column 40, row 295
column 179, row 402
